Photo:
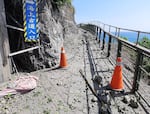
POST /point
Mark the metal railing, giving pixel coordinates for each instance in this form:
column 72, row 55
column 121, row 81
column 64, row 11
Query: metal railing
column 117, row 30
column 140, row 52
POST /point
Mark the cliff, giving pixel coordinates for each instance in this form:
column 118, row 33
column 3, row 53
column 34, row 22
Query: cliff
column 56, row 23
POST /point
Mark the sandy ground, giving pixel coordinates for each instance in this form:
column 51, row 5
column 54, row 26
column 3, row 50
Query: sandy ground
column 64, row 91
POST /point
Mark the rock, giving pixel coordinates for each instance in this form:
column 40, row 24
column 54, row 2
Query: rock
column 149, row 83
column 105, row 98
column 85, row 111
column 103, row 110
column 98, row 79
column 133, row 103
column 53, row 63
column 7, row 112
column 94, row 99
column 3, row 101
column 55, row 22
column 112, row 102
column 121, row 109
column 126, row 99
column 71, row 107
column 59, row 84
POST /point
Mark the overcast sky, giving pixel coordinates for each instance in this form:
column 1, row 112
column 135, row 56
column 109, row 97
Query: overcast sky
column 131, row 14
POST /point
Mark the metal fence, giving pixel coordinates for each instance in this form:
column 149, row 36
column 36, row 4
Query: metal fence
column 135, row 57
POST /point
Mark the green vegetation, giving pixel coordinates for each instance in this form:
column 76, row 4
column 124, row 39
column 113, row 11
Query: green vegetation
column 8, row 97
column 123, row 37
column 145, row 42
column 46, row 112
column 36, row 94
column 27, row 107
column 62, row 2
column 49, row 100
column 146, row 64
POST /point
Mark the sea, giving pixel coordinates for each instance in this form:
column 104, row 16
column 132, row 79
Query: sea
column 131, row 36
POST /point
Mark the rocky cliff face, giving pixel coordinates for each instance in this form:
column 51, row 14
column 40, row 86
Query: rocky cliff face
column 56, row 24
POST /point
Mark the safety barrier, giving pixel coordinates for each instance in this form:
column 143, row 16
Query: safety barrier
column 139, row 53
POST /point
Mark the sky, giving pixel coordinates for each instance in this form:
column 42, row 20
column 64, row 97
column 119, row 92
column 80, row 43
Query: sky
column 130, row 14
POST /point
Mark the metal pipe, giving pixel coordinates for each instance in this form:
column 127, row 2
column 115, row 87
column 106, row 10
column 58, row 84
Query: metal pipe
column 127, row 29
column 109, row 46
column 15, row 28
column 93, row 92
column 138, row 37
column 137, row 72
column 104, row 35
column 119, row 49
column 23, row 51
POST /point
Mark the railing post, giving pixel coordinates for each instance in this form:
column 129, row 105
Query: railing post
column 109, row 28
column 103, row 45
column 109, row 46
column 137, row 73
column 100, row 35
column 103, row 26
column 119, row 48
column 138, row 36
column 96, row 32
column 118, row 32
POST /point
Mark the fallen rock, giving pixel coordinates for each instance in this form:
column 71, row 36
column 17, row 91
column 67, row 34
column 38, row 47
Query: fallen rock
column 133, row 103
column 94, row 99
column 103, row 110
column 105, row 98
column 98, row 79
column 122, row 109
column 126, row 99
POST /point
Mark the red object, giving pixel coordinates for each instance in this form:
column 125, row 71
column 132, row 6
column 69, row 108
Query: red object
column 117, row 79
column 63, row 59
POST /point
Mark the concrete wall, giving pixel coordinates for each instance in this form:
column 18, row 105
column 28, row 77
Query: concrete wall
column 4, row 46
column 1, row 76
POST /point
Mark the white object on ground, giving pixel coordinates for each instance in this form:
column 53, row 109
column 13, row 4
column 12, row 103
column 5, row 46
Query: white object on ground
column 25, row 83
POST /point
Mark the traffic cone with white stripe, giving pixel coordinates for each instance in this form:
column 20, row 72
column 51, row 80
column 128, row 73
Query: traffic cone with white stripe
column 63, row 59
column 117, row 79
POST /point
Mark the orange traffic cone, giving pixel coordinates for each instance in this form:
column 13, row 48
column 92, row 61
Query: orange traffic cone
column 63, row 59
column 117, row 79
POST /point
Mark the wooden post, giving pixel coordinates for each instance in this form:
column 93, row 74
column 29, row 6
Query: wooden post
column 4, row 46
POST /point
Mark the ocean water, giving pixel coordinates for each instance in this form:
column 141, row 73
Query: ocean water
column 131, row 36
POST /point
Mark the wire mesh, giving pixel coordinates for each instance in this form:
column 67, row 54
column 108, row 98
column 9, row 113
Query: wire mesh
column 113, row 52
column 144, row 84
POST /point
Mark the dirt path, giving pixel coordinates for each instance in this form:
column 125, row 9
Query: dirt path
column 63, row 91
column 59, row 91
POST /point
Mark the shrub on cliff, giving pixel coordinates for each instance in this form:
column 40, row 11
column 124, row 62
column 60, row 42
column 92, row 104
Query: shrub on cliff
column 62, row 2
column 145, row 42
